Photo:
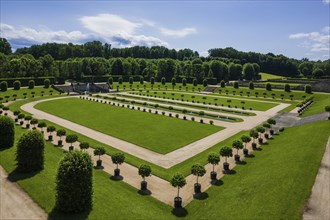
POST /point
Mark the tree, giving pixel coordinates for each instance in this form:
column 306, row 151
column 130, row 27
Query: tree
column 46, row 83
column 30, row 152
column 141, row 80
column 237, row 144
column 317, row 73
column 152, row 81
column 117, row 158
column 214, row 159
column 245, row 139
column 269, row 87
column 308, row 88
column 31, row 84
column 173, row 82
column 3, row 86
column 261, row 130
column 42, row 125
column 287, row 88
column 254, row 134
column 21, row 117
column 144, row 171
column 28, row 118
column 5, row 47
column 201, row 114
column 205, row 82
column 7, row 132
column 222, row 84
column 60, row 133
column 178, row 181
column 130, row 80
column 50, row 130
column 17, row 85
column 197, row 170
column 184, row 82
column 74, row 183
column 226, row 152
column 236, row 85
column 248, row 71
column 71, row 138
column 34, row 122
column 99, row 151
column 84, row 146
column 163, row 81
column 327, row 109
column 251, row 85
column 267, row 127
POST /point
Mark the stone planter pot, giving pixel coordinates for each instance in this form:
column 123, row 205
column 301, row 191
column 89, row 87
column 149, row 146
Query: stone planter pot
column 197, row 188
column 245, row 152
column 281, row 129
column 27, row 126
column 117, row 172
column 260, row 140
column 237, row 158
column 177, row 202
column 267, row 136
column 226, row 166
column 184, row 118
column 50, row 138
column 99, row 163
column 271, row 132
column 71, row 148
column 254, row 146
column 213, row 175
column 16, row 119
column 59, row 143
column 144, row 185
column 170, row 115
column 1, row 112
column 21, row 123
column 201, row 121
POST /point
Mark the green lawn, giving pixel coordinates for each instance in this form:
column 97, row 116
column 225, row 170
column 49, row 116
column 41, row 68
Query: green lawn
column 320, row 101
column 20, row 93
column 275, row 184
column 265, row 76
column 262, row 106
column 155, row 132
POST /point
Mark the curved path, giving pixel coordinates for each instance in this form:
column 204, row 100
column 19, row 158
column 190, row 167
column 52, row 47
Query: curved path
column 167, row 160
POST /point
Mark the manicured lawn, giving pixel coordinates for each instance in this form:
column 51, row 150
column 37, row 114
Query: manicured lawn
column 265, row 76
column 220, row 101
column 155, row 132
column 320, row 101
column 20, row 93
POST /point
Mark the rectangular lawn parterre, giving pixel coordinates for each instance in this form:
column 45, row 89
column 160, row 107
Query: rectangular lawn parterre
column 155, row 132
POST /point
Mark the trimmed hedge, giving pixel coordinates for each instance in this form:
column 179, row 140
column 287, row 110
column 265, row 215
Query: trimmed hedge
column 31, row 84
column 74, row 183
column 17, row 85
column 7, row 132
column 30, row 152
column 3, row 86
column 25, row 81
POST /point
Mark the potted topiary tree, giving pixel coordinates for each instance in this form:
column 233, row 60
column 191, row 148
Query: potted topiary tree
column 267, row 127
column 271, row 121
column 34, row 122
column 71, row 138
column 42, row 125
column 99, row 151
column 5, row 109
column 144, row 171
column 60, row 133
column 245, row 139
column 197, row 170
column 237, row 144
column 83, row 146
column 261, row 130
column 16, row 113
column 27, row 119
column 117, row 158
column 178, row 181
column 226, row 152
column 1, row 106
column 21, row 117
column 50, row 130
column 184, row 112
column 254, row 134
column 214, row 159
column 201, row 114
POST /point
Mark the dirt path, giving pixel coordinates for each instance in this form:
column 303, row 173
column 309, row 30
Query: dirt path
column 318, row 206
column 167, row 160
column 15, row 203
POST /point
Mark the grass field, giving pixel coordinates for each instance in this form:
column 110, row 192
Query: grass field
column 38, row 91
column 260, row 189
column 262, row 106
column 155, row 132
column 265, row 76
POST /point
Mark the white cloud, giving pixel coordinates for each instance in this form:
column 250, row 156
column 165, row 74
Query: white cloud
column 326, row 1
column 314, row 41
column 178, row 33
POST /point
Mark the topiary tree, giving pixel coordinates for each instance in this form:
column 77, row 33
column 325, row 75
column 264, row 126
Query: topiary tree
column 144, row 171
column 204, row 82
column 327, row 109
column 17, row 85
column 287, row 88
column 308, row 88
column 254, row 134
column 214, row 159
column 201, row 114
column 16, row 113
column 184, row 81
column 50, row 130
column 74, row 183
column 34, row 122
column 245, row 139
column 173, row 81
column 60, row 133
column 42, row 125
column 222, row 84
column 271, row 121
column 178, row 181
column 237, row 144
column 267, row 127
column 31, row 84
column 261, row 130
column 130, row 80
column 195, row 82
column 226, row 152
column 236, row 85
column 30, row 152
column 84, row 146
column 141, row 80
column 21, row 117
column 251, row 85
column 197, row 170
column 269, row 87
column 46, row 83
column 99, row 151
column 71, row 138
column 27, row 118
column 7, row 132
column 117, row 158
column 3, row 86
column 163, row 81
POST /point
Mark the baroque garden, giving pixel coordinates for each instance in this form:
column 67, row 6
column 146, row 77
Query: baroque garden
column 235, row 143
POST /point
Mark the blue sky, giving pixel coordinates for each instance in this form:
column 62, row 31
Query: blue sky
column 293, row 28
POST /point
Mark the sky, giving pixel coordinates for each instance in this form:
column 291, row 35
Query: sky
column 296, row 29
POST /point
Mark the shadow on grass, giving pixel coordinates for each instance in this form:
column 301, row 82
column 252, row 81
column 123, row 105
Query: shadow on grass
column 217, row 182
column 259, row 149
column 250, row 156
column 56, row 214
column 116, row 178
column 265, row 143
column 179, row 212
column 15, row 175
column 201, row 196
column 242, row 162
column 146, row 192
column 5, row 148
column 229, row 172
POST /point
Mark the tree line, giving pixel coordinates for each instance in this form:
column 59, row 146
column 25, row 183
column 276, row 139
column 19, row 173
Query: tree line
column 94, row 58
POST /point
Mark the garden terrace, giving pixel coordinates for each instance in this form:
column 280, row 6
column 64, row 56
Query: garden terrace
column 22, row 93
column 164, row 136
